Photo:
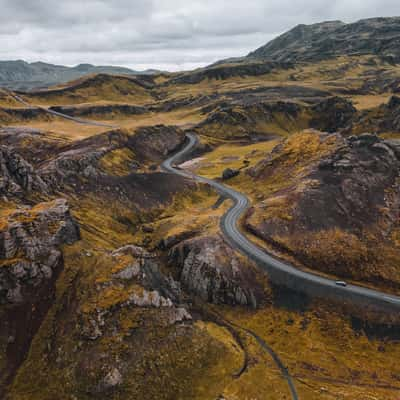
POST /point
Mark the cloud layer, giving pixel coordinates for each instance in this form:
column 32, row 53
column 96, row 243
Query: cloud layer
column 166, row 34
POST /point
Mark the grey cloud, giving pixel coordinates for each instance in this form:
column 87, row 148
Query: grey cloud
column 160, row 33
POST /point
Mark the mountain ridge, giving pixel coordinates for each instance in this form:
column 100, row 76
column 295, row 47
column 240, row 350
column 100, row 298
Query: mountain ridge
column 374, row 36
column 19, row 74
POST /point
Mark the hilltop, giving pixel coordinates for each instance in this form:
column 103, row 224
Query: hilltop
column 374, row 36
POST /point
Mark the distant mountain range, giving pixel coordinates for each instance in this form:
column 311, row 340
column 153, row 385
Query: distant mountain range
column 303, row 43
column 22, row 75
column 375, row 36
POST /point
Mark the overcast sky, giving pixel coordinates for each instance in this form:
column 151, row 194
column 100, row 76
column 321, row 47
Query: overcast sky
column 165, row 34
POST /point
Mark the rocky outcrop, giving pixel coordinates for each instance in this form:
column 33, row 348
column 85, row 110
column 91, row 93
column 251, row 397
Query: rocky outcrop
column 30, row 240
column 71, row 165
column 210, row 269
column 33, row 145
column 229, row 173
column 17, row 176
column 137, row 282
column 332, row 114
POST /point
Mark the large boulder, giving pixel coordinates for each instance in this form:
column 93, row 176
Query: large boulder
column 230, row 173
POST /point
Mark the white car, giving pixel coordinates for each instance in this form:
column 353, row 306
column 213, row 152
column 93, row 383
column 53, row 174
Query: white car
column 341, row 283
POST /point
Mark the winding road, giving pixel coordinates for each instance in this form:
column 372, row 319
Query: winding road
column 279, row 272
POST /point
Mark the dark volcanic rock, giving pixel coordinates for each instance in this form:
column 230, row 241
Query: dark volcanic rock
column 210, row 269
column 230, row 173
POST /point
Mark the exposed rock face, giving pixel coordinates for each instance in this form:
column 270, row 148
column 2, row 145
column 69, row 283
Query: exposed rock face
column 31, row 259
column 16, row 175
column 145, row 269
column 71, row 165
column 30, row 241
column 333, row 114
column 376, row 36
column 210, row 269
column 136, row 283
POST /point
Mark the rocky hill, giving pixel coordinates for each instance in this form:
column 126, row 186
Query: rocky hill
column 376, row 36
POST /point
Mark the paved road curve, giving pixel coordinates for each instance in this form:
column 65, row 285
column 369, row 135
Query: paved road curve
column 280, row 272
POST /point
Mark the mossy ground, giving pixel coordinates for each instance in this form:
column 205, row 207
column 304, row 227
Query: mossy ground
column 328, row 357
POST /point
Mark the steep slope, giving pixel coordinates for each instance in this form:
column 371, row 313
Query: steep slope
column 377, row 36
column 333, row 204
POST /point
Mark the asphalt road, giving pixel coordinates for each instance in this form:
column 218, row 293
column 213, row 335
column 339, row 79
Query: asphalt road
column 279, row 272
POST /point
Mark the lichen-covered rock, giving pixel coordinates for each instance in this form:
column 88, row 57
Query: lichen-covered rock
column 30, row 241
column 136, row 282
column 17, row 176
column 210, row 269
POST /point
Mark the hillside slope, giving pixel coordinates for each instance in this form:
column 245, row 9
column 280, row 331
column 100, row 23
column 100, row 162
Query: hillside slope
column 376, row 36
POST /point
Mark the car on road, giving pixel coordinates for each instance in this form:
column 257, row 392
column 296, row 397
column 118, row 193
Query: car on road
column 341, row 283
